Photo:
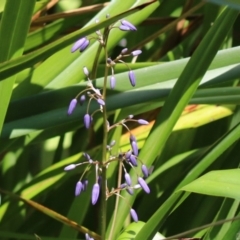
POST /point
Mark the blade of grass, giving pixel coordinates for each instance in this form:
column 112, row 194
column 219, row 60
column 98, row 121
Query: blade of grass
column 180, row 96
column 13, row 31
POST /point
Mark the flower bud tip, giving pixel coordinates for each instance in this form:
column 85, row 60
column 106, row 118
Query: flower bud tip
column 72, row 106
column 132, row 78
column 70, row 167
column 129, row 25
column 128, row 179
column 143, row 122
column 87, row 120
column 134, row 215
column 144, row 185
column 78, row 188
column 95, row 193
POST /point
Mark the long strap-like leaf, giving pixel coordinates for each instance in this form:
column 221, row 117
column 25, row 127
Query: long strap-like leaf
column 179, row 98
column 13, row 32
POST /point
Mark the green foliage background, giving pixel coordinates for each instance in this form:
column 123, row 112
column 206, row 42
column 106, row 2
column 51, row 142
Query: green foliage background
column 190, row 57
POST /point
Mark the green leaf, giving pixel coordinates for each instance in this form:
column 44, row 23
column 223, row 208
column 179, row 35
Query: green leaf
column 231, row 3
column 13, row 31
column 180, row 96
column 222, row 183
column 130, row 232
column 14, row 66
column 53, row 214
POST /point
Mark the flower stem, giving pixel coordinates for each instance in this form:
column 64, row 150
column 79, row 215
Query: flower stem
column 104, row 153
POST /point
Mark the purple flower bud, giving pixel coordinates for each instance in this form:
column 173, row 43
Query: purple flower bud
column 133, row 160
column 112, row 82
column 87, row 156
column 124, row 51
column 86, row 72
column 84, row 45
column 87, row 120
column 100, row 102
column 124, row 28
column 70, row 167
column 128, row 179
column 72, row 106
column 78, row 188
column 123, row 185
column 143, row 122
column 132, row 138
column 128, row 24
column 145, row 171
column 130, row 191
column 128, row 154
column 134, row 215
column 136, row 52
column 82, row 99
column 134, row 148
column 77, row 45
column 84, row 185
column 95, row 193
column 143, row 185
column 87, row 236
column 132, row 78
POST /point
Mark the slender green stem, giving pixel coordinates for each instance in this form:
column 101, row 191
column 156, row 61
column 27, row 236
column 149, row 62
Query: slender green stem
column 103, row 209
column 104, row 150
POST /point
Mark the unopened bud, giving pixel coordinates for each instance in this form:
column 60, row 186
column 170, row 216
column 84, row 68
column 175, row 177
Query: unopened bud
column 134, row 215
column 95, row 193
column 72, row 106
column 129, row 25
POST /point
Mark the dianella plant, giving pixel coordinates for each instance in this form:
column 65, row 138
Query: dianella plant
column 119, row 120
column 125, row 160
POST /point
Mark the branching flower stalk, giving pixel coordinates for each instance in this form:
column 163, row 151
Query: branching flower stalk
column 129, row 158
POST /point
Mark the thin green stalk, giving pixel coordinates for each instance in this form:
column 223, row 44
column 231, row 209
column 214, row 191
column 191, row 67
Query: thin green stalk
column 103, row 210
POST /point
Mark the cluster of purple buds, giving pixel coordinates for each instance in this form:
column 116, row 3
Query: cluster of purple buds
column 128, row 183
column 81, row 185
column 130, row 157
column 111, row 63
column 127, row 26
column 93, row 93
column 80, row 45
column 132, row 161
